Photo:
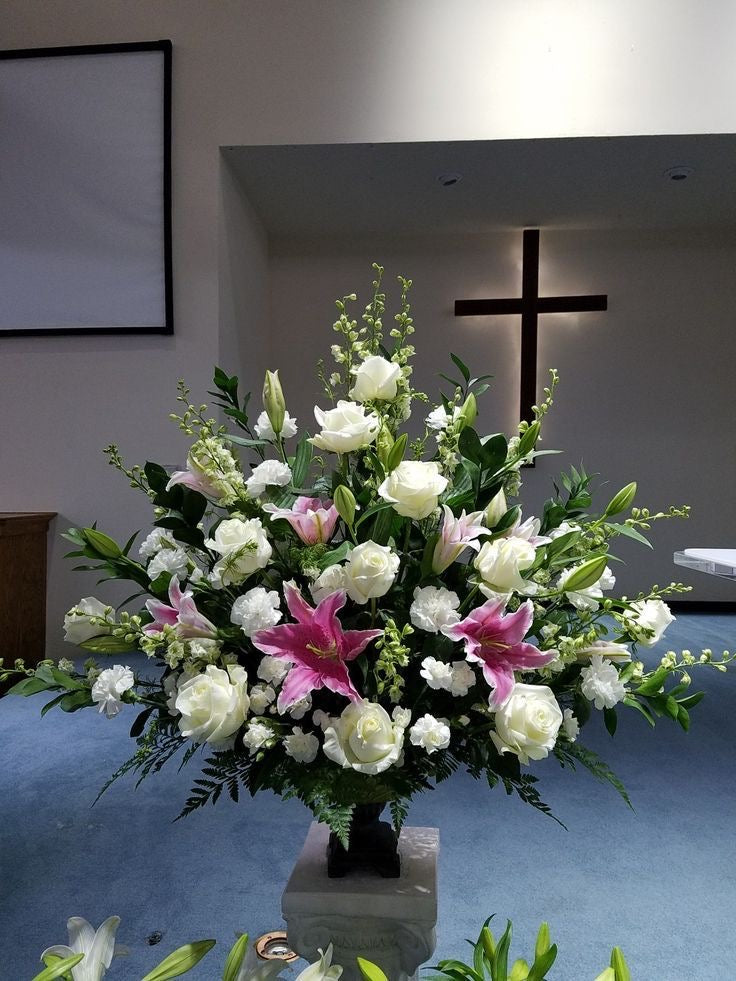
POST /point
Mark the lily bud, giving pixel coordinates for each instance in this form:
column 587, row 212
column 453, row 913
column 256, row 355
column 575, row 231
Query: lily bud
column 621, row 501
column 344, row 502
column 587, row 574
column 529, row 439
column 273, row 401
column 495, row 509
column 384, row 444
column 468, row 412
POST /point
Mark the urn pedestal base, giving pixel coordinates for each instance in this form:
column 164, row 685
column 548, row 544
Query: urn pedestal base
column 390, row 921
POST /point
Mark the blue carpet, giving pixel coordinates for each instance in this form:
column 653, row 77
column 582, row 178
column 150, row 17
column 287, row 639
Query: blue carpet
column 661, row 882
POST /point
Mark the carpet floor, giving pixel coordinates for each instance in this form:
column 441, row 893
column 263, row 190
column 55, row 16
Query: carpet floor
column 660, row 881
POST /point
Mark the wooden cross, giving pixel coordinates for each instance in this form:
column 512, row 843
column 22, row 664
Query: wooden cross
column 530, row 304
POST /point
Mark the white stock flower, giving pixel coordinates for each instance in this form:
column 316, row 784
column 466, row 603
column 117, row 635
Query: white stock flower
column 322, row 719
column 370, row 571
column 78, row 622
column 570, row 725
column 213, row 705
column 430, row 734
column 323, row 969
column 244, row 548
column 256, row 736
column 345, row 428
column 328, row 582
column 261, row 696
column 264, row 430
column 270, row 473
column 156, row 540
column 170, row 684
column 301, row 746
column 256, row 610
column 601, row 683
column 413, row 488
column 433, row 608
column 273, row 670
column 653, row 614
column 527, row 723
column 375, row 378
column 365, row 738
column 587, row 599
column 175, row 561
column 502, row 562
column 110, row 685
column 64, row 664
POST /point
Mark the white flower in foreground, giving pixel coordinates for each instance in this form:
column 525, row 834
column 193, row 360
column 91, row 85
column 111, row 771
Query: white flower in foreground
column 365, row 737
column 261, row 696
column 98, row 947
column 213, row 704
column 156, row 540
column 256, row 610
column 322, row 719
column 413, row 488
column 264, row 430
column 587, row 599
column 527, row 723
column 502, row 562
column 323, row 969
column 244, row 548
column 345, row 428
column 370, row 571
column 437, row 674
column 653, row 614
column 439, row 418
column 433, row 608
column 79, row 622
column 375, row 378
column 270, row 473
column 463, row 678
column 430, row 733
column 110, row 685
column 601, row 684
column 299, row 709
column 328, row 582
column 175, row 561
column 301, row 746
column 273, row 670
column 256, row 736
column 570, row 725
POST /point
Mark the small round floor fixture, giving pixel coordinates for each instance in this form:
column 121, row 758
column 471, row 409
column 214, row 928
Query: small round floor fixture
column 274, row 946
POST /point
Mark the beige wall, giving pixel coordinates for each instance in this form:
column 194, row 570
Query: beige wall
column 316, row 71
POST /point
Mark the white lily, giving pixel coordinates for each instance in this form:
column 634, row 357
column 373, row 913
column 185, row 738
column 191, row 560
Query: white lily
column 98, row 947
column 267, row 971
column 321, row 969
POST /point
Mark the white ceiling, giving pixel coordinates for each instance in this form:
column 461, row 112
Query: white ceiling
column 392, row 188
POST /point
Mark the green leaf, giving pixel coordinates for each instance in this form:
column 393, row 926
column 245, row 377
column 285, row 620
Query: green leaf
column 519, row 970
column 107, row 644
column 74, row 700
column 235, row 959
column 370, row 971
column 619, row 965
column 501, row 958
column 49, row 705
column 494, row 452
column 529, row 439
column 586, row 574
column 691, row 700
column 562, row 543
column 462, row 368
column 470, row 445
column 58, row 970
column 542, row 964
column 631, row 533
column 139, row 723
column 611, row 720
column 396, row 453
column 180, row 961
column 543, row 940
column 28, row 686
column 302, row 461
column 383, row 506
column 683, row 717
column 635, row 704
column 336, row 555
column 652, row 685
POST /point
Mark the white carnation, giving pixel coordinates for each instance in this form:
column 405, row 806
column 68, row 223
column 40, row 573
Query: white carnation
column 463, row 678
column 261, row 696
column 430, row 733
column 439, row 418
column 109, row 686
column 433, row 608
column 328, row 582
column 270, row 473
column 175, row 561
column 256, row 736
column 299, row 709
column 273, row 670
column 570, row 725
column 437, row 674
column 601, row 683
column 256, row 610
column 156, row 540
column 264, row 429
column 301, row 746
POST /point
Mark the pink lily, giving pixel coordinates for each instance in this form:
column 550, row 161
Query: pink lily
column 312, row 519
column 195, row 480
column 182, row 614
column 317, row 646
column 457, row 534
column 497, row 642
column 528, row 530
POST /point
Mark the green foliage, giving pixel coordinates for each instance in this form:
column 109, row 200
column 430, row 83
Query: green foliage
column 180, row 961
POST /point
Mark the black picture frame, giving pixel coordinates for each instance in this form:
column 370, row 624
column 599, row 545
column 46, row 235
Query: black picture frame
column 164, row 46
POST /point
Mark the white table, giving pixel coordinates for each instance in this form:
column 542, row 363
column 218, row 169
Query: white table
column 714, row 561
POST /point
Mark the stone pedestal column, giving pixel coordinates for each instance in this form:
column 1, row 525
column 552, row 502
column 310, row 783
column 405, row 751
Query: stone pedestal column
column 388, row 921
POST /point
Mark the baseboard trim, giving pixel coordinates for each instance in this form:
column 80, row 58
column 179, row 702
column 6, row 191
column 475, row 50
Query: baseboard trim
column 702, row 606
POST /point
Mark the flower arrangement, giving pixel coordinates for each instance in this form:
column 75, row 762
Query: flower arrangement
column 351, row 620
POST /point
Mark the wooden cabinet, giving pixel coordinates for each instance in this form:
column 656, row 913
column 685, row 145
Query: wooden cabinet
column 23, row 585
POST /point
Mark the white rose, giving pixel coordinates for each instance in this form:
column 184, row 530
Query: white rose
column 370, row 571
column 256, row 610
column 175, row 561
column 270, row 473
column 78, row 622
column 273, row 670
column 527, row 723
column 244, row 548
column 430, row 733
column 328, row 582
column 365, row 738
column 264, row 429
column 601, row 683
column 433, row 608
column 413, row 488
column 213, row 705
column 108, row 688
column 653, row 614
column 376, row 378
column 256, row 736
column 301, row 746
column 345, row 428
column 261, row 696
column 500, row 563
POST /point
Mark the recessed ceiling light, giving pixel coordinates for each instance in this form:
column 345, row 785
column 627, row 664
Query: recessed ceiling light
column 449, row 179
column 678, row 173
